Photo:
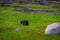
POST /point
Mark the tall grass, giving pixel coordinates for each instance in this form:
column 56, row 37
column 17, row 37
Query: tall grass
column 10, row 20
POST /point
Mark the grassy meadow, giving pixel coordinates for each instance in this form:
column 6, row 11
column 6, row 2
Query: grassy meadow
column 10, row 20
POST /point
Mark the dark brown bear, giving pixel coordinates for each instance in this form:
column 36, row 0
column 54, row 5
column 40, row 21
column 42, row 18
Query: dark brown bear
column 24, row 22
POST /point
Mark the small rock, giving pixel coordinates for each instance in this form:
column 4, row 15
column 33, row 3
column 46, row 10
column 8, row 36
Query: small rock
column 17, row 29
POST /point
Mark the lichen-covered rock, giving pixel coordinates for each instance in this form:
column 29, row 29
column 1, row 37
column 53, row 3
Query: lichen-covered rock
column 52, row 29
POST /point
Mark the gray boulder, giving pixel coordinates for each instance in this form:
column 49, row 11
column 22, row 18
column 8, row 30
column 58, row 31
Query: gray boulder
column 52, row 29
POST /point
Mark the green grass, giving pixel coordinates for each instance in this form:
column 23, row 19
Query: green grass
column 41, row 7
column 9, row 20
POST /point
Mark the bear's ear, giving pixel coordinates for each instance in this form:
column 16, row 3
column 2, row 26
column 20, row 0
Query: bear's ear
column 21, row 22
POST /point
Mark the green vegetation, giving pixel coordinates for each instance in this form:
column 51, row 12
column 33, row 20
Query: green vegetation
column 10, row 20
column 41, row 7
